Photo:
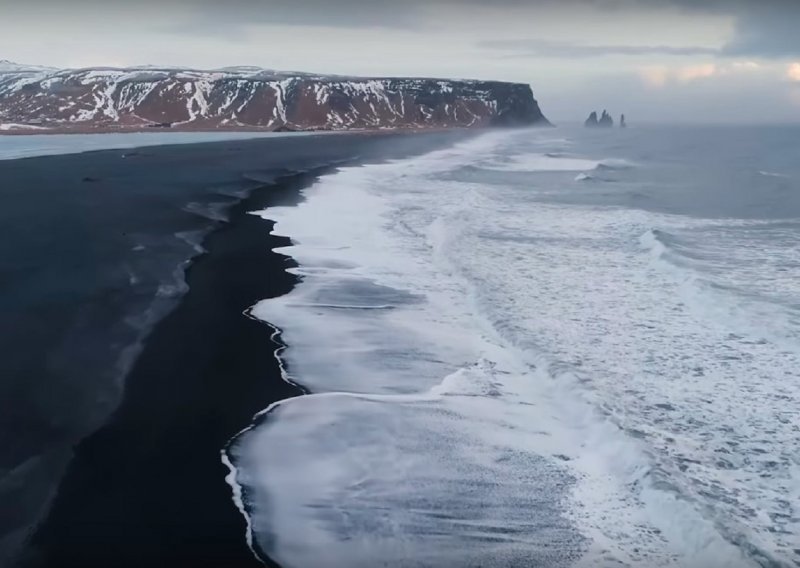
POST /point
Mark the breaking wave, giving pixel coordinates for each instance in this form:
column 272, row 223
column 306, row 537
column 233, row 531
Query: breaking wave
column 503, row 381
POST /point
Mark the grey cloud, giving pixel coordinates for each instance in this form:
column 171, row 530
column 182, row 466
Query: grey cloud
column 342, row 13
column 214, row 15
column 766, row 32
column 572, row 50
column 763, row 28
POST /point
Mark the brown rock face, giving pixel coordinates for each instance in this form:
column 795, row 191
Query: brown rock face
column 248, row 98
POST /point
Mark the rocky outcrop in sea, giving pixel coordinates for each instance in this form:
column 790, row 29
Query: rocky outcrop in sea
column 605, row 120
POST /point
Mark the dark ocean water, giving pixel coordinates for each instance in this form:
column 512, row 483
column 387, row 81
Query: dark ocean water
column 554, row 347
column 724, row 171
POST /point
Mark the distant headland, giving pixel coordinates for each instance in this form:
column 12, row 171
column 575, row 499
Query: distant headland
column 44, row 100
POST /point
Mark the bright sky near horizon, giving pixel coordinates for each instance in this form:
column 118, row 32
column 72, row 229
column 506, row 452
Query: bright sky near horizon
column 654, row 60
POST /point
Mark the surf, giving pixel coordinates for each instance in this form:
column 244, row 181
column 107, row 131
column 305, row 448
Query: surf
column 412, row 401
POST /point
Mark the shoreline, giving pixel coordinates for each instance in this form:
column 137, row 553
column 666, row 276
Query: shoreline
column 411, row 129
column 237, row 491
column 72, row 535
column 152, row 475
column 29, row 145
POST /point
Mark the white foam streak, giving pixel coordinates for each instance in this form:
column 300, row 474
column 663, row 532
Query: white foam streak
column 541, row 163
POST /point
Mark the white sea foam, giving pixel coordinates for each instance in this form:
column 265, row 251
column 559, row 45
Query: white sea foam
column 550, row 385
column 540, row 162
column 726, row 277
column 615, row 164
column 550, row 162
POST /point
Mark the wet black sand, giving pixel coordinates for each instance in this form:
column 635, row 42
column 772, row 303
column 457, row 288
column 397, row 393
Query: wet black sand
column 147, row 488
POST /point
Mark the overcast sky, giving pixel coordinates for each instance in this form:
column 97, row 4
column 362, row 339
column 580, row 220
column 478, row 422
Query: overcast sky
column 654, row 60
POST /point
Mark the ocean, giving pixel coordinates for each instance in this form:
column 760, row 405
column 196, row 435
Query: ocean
column 553, row 347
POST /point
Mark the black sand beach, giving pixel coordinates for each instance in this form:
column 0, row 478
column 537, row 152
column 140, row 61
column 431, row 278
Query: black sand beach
column 91, row 244
column 151, row 474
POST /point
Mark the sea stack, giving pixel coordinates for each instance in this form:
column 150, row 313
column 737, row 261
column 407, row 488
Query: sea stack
column 605, row 120
column 622, row 123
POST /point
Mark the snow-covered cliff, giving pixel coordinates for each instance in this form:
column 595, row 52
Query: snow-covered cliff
column 109, row 99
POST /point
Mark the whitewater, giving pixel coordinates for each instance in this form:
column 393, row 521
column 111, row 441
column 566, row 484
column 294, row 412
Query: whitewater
column 539, row 348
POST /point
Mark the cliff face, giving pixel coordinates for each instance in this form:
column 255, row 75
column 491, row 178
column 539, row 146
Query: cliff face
column 250, row 98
